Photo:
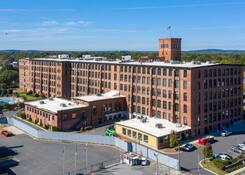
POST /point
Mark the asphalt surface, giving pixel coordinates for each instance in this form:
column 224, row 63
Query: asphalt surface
column 189, row 160
column 39, row 157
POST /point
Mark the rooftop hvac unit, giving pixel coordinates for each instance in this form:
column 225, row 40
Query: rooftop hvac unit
column 144, row 120
column 41, row 102
column 62, row 104
column 158, row 125
column 140, row 117
column 51, row 99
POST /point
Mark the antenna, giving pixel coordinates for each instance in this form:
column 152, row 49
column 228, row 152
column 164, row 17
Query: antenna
column 168, row 29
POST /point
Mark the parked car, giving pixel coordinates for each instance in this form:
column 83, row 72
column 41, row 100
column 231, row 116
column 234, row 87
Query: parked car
column 222, row 156
column 242, row 146
column 225, row 133
column 6, row 133
column 187, row 147
column 236, row 149
column 110, row 131
column 205, row 140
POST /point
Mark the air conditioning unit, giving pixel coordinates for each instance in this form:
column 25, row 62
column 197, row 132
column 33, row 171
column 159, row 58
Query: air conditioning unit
column 42, row 102
column 144, row 120
column 62, row 104
column 158, row 125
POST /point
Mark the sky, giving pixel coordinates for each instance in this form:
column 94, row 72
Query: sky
column 80, row 25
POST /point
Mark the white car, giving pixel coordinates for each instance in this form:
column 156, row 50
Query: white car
column 222, row 156
column 225, row 133
column 242, row 146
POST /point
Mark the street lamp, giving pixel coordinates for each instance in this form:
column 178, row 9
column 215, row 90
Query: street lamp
column 156, row 155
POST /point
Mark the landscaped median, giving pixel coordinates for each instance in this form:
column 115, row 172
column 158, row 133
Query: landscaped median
column 222, row 167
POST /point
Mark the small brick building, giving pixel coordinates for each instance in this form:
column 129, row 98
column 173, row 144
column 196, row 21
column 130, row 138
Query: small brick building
column 80, row 111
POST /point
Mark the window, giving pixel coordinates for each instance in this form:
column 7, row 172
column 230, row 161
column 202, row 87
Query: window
column 129, row 132
column 185, row 108
column 124, row 131
column 185, row 73
column 140, row 136
column 185, row 96
column 134, row 134
column 145, row 138
column 184, row 84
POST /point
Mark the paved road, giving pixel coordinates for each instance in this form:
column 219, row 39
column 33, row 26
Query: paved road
column 39, row 158
column 189, row 160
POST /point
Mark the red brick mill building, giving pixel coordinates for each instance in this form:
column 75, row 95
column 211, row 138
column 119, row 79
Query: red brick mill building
column 204, row 96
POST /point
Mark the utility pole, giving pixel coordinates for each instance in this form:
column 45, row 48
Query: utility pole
column 156, row 155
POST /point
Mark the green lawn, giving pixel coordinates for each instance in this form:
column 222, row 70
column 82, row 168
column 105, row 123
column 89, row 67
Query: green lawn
column 209, row 165
column 29, row 97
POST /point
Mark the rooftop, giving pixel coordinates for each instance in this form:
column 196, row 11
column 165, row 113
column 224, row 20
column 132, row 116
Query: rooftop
column 192, row 64
column 149, row 125
column 54, row 104
column 108, row 95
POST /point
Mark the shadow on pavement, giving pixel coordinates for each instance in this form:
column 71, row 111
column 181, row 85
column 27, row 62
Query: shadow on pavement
column 5, row 152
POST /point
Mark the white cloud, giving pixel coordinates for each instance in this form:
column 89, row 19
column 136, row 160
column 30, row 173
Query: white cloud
column 49, row 23
column 78, row 23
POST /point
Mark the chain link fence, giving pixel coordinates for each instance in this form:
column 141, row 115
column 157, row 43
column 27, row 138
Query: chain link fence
column 95, row 167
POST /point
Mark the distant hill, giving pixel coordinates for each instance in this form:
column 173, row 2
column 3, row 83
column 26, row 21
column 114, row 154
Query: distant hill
column 216, row 51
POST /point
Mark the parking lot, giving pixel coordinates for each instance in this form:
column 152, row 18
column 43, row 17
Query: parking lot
column 39, row 157
column 189, row 160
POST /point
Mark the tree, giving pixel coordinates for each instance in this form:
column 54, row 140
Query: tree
column 174, row 139
column 208, row 150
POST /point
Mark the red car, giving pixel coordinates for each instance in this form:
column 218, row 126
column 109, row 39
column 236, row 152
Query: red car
column 6, row 133
column 205, row 140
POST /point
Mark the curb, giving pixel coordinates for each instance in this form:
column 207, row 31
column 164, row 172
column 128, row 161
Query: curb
column 200, row 164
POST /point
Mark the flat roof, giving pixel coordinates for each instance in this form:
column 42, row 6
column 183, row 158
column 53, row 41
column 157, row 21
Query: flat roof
column 54, row 104
column 150, row 128
column 109, row 95
column 192, row 64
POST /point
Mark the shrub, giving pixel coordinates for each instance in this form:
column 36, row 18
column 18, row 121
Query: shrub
column 29, row 92
column 208, row 150
column 55, row 129
column 219, row 163
column 43, row 96
column 20, row 105
column 36, row 95
column 173, row 140
column 21, row 115
column 35, row 121
column 46, row 126
column 6, row 106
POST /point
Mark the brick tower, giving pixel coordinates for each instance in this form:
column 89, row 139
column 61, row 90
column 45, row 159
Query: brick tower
column 170, row 48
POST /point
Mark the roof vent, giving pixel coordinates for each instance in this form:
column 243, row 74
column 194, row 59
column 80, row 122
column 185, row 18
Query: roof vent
column 144, row 120
column 140, row 117
column 62, row 104
column 42, row 102
column 98, row 94
column 51, row 99
column 158, row 125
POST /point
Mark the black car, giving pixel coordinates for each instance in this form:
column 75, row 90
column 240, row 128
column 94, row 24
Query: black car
column 187, row 147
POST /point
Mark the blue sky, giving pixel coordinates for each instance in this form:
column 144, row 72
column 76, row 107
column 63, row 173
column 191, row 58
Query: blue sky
column 120, row 24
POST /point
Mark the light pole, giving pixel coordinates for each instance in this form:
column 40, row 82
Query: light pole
column 86, row 155
column 156, row 155
column 75, row 159
column 63, row 163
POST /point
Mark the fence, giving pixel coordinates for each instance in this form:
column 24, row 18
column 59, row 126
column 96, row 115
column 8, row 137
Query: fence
column 96, row 139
